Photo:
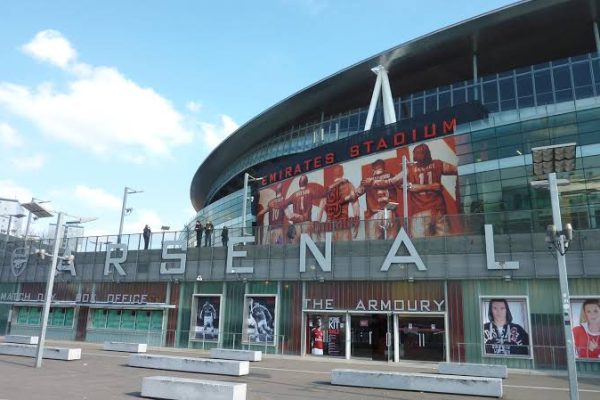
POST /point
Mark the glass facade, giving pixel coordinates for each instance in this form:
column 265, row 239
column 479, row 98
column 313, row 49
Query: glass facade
column 561, row 81
column 531, row 108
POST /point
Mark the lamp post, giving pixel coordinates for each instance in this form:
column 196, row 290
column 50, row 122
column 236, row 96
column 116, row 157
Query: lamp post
column 126, row 192
column 58, row 235
column 10, row 217
column 247, row 178
column 550, row 160
column 31, row 213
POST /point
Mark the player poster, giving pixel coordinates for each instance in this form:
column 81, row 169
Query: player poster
column 206, row 312
column 260, row 313
column 506, row 326
column 350, row 199
column 585, row 315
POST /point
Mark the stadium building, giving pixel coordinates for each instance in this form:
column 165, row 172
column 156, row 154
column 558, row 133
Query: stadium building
column 385, row 212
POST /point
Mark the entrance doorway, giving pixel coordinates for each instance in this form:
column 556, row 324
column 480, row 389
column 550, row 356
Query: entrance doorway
column 371, row 336
column 422, row 338
column 82, row 320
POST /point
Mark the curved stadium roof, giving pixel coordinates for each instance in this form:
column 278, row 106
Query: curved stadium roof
column 526, row 33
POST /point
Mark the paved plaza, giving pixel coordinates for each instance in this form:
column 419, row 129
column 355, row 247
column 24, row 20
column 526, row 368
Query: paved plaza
column 105, row 375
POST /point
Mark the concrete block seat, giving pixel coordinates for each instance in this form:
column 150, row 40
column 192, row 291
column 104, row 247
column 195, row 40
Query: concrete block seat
column 28, row 350
column 168, row 387
column 483, row 370
column 189, row 364
column 240, row 355
column 125, row 347
column 21, row 339
column 435, row 383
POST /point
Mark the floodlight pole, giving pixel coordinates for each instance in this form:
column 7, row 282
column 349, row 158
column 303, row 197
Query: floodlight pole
column 126, row 191
column 564, row 287
column 244, row 202
column 49, row 289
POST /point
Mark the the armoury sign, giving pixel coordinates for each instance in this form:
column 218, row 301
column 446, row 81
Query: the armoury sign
column 174, row 256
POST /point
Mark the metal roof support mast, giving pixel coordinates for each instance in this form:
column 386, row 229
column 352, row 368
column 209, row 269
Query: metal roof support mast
column 382, row 84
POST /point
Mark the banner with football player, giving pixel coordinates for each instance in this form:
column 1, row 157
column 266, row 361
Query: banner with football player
column 363, row 198
column 260, row 313
column 206, row 315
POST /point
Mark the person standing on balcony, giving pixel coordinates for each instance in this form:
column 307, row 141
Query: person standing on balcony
column 146, row 234
column 199, row 231
column 208, row 231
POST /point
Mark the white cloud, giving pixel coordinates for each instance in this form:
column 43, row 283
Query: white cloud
column 10, row 190
column 32, row 163
column 97, row 198
column 100, row 111
column 51, row 46
column 193, row 106
column 213, row 134
column 9, row 136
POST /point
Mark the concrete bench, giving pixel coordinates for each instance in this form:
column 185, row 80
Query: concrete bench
column 468, row 385
column 27, row 350
column 168, row 387
column 188, row 364
column 240, row 355
column 483, row 370
column 21, row 339
column 125, row 347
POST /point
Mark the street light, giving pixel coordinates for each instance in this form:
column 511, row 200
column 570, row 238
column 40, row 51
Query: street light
column 247, row 178
column 37, row 202
column 50, row 282
column 10, row 217
column 124, row 208
column 550, row 160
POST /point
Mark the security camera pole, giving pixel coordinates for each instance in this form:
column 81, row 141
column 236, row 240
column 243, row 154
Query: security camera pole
column 49, row 287
column 549, row 160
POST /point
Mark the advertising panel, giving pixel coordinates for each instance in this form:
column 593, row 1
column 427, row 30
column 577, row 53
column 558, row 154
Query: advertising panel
column 206, row 315
column 259, row 319
column 506, row 327
column 369, row 189
column 585, row 314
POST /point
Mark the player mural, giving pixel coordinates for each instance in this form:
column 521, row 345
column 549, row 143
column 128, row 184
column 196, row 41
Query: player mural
column 207, row 309
column 506, row 327
column 337, row 197
column 259, row 319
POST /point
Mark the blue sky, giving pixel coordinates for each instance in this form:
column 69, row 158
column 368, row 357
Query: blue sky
column 96, row 96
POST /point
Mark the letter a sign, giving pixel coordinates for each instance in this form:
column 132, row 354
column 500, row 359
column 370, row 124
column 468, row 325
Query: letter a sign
column 412, row 258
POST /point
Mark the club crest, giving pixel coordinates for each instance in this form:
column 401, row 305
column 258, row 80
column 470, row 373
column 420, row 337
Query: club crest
column 18, row 261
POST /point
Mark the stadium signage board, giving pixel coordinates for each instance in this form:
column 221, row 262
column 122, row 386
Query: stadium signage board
column 430, row 126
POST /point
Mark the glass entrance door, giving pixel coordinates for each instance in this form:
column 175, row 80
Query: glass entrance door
column 371, row 336
column 422, row 338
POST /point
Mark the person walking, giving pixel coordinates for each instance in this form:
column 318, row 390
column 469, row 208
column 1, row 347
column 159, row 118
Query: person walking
column 208, row 230
column 224, row 236
column 199, row 231
column 147, row 233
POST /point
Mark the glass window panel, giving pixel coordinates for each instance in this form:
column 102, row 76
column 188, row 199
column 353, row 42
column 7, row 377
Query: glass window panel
column 128, row 319
column 458, row 96
column 596, row 72
column 156, row 321
column 430, row 103
column 405, row 109
column 444, row 99
column 69, row 317
column 562, row 83
column 353, row 122
column 362, row 120
column 23, row 315
column 582, row 78
column 507, row 94
column 58, row 317
column 417, row 106
column 541, row 66
column 35, row 316
column 543, row 88
column 490, row 96
column 114, row 319
column 142, row 321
